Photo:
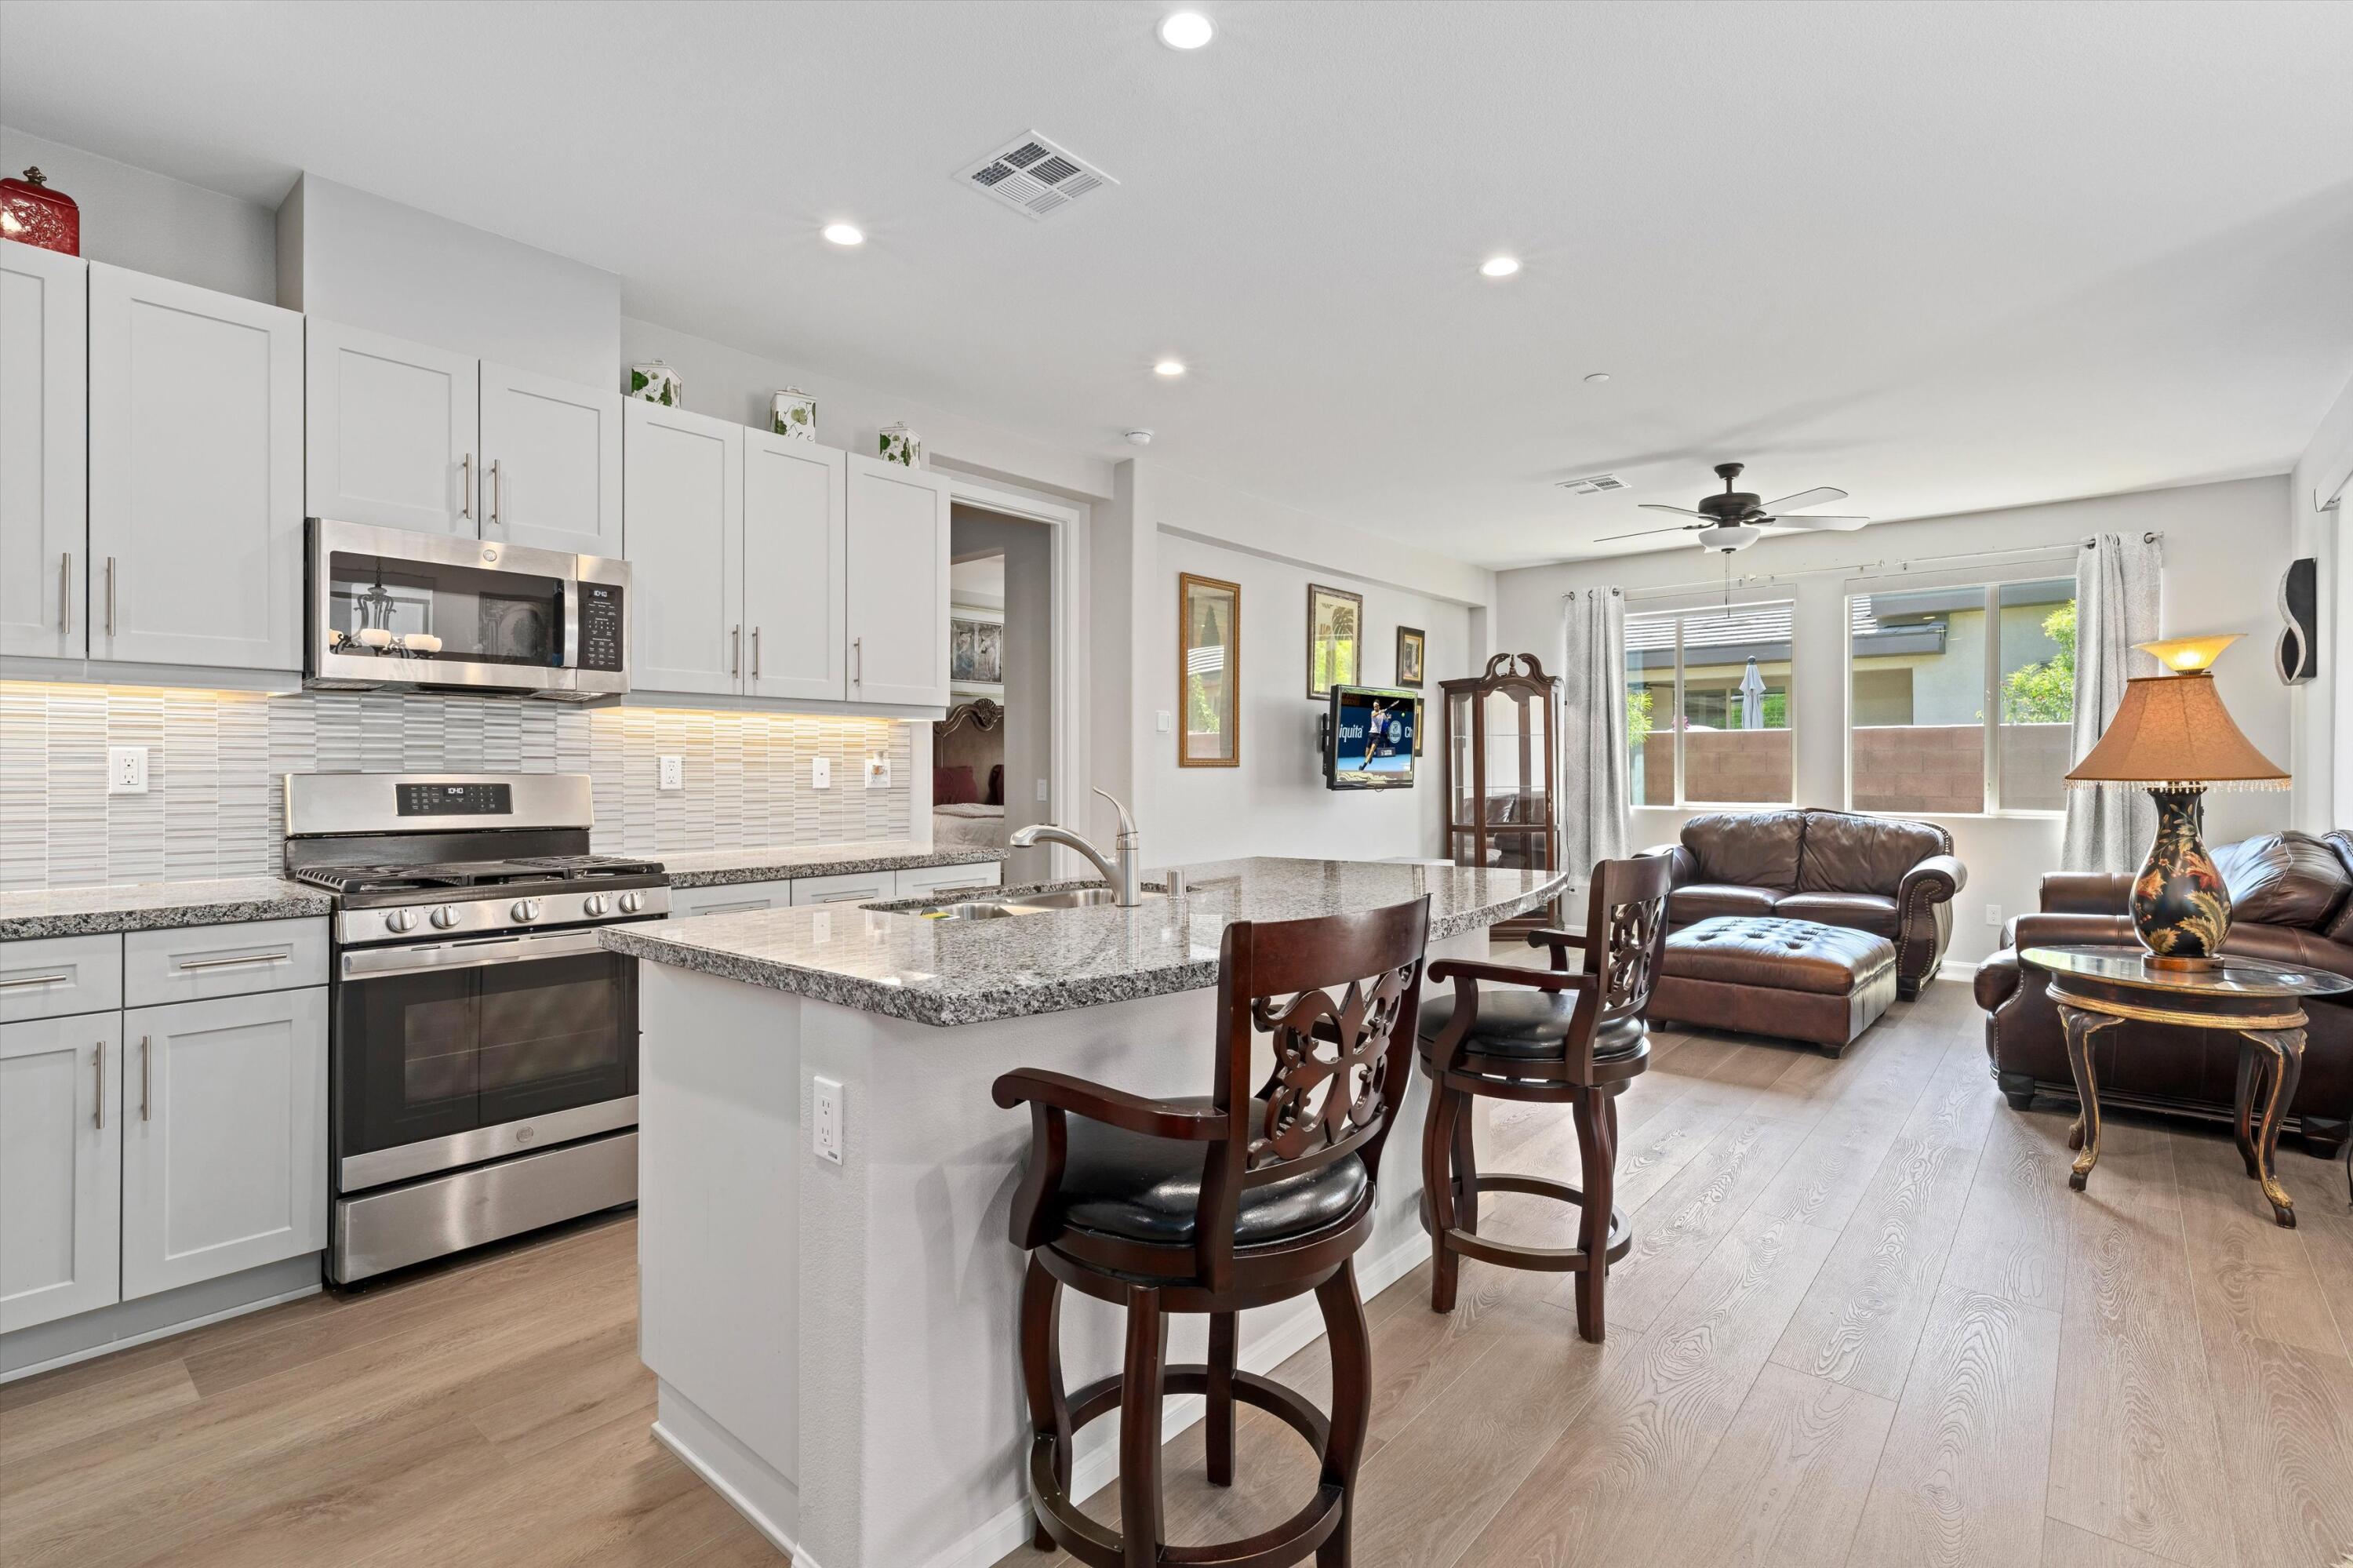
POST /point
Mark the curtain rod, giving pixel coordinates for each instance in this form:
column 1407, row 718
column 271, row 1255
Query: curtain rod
column 1766, row 579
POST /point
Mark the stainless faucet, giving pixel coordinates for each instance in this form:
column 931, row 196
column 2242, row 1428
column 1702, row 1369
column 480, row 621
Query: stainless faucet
column 1122, row 874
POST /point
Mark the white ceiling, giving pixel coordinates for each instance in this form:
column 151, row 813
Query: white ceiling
column 1947, row 257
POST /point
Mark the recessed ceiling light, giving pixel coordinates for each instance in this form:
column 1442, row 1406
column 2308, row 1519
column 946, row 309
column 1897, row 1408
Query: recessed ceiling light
column 1499, row 266
column 845, row 234
column 1598, row 376
column 1186, row 30
column 1169, row 367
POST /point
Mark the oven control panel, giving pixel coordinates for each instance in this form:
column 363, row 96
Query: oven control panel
column 600, row 626
column 455, row 799
column 431, row 919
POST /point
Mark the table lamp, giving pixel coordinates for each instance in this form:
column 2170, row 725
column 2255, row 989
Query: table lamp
column 2173, row 738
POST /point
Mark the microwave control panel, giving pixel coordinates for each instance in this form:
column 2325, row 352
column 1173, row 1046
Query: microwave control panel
column 600, row 626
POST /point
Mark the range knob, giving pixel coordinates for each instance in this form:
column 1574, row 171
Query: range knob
column 526, row 909
column 400, row 920
column 445, row 917
column 632, row 902
column 596, row 903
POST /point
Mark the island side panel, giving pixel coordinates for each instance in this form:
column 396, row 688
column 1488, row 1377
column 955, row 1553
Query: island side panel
column 907, row 1258
column 721, row 1151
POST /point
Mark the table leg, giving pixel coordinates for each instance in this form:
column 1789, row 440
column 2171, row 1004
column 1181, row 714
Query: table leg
column 2084, row 1135
column 2278, row 1075
column 2251, row 1069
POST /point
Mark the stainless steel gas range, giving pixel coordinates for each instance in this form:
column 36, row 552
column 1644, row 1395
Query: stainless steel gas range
column 483, row 1055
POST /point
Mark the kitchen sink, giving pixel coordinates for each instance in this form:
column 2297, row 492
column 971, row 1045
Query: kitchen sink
column 1028, row 904
column 975, row 910
column 1071, row 898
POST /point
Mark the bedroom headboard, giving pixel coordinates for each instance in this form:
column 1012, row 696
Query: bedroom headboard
column 972, row 736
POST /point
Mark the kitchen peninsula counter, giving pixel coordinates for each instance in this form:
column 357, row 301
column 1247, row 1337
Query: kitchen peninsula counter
column 833, row 1330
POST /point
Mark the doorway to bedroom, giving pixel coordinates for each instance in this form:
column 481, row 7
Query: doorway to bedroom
column 993, row 755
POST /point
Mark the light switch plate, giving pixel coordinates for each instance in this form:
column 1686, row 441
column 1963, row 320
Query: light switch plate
column 126, row 770
column 820, row 773
column 824, row 1120
column 1163, row 721
column 1993, row 915
column 674, row 772
column 878, row 773
column 1044, row 794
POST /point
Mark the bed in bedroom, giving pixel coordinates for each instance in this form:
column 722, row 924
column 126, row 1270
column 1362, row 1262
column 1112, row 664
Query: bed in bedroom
column 968, row 777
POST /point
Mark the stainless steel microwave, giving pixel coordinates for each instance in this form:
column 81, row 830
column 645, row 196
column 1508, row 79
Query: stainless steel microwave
column 386, row 607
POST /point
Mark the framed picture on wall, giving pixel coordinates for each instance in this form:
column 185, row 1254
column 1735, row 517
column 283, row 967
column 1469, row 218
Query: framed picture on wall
column 1208, row 672
column 976, row 652
column 1335, row 640
column 1410, row 644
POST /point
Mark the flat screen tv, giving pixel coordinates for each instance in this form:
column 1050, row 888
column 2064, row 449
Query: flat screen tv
column 1369, row 738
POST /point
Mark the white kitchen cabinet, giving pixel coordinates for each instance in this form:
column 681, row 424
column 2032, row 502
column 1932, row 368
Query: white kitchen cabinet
column 552, row 463
column 847, row 887
column 796, row 573
column 733, row 898
column 224, row 1135
column 391, row 431
column 44, row 452
column 60, row 1167
column 195, row 475
column 924, row 881
column 898, row 595
column 685, row 489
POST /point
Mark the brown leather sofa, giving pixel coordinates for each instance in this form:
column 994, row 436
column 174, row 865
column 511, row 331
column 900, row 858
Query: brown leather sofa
column 1893, row 879
column 2291, row 902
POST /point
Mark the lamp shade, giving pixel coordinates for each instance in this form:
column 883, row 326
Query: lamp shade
column 2171, row 732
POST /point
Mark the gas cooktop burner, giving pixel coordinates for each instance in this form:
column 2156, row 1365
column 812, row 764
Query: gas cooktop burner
column 365, row 879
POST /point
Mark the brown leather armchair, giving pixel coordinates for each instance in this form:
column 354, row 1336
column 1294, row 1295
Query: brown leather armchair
column 1894, row 878
column 2291, row 902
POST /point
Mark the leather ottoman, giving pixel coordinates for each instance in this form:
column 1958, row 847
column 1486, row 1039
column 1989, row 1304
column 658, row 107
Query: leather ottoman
column 1761, row 974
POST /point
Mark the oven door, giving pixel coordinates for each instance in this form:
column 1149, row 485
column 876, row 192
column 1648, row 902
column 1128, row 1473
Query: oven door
column 449, row 1054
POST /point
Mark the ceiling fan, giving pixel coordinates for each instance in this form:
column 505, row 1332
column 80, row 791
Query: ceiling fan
column 1735, row 520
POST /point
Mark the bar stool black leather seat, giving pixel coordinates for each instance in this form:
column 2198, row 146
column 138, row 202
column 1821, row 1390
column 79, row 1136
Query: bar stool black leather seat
column 1216, row 1203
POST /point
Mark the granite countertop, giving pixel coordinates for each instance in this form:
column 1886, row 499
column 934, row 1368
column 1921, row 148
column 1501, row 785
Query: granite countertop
column 894, row 961
column 718, row 868
column 151, row 906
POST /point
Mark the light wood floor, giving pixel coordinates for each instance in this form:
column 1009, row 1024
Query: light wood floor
column 1864, row 1322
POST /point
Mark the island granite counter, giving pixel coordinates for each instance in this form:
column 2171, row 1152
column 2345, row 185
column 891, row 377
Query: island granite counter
column 833, row 1332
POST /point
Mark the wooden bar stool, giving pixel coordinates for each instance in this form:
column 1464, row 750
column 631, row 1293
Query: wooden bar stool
column 1555, row 1034
column 1213, row 1204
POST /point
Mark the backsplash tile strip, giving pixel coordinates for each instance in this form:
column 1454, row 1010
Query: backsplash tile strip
column 213, row 806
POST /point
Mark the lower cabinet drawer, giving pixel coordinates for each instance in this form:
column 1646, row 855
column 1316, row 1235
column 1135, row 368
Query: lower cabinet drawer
column 733, row 898
column 854, row 888
column 925, row 881
column 189, row 963
column 224, row 1135
column 49, row 977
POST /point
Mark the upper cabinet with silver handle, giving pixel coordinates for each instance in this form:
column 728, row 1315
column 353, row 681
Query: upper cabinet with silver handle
column 45, row 474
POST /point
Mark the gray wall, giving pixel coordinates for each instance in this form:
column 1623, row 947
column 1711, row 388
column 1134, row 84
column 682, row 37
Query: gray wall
column 153, row 223
column 213, row 810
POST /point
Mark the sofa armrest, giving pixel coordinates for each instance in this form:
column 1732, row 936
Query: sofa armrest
column 1932, row 881
column 1923, row 920
column 2048, row 930
column 1682, row 864
column 1996, row 981
column 2086, row 892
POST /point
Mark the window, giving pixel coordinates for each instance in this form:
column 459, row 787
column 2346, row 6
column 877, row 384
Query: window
column 1708, row 706
column 1962, row 700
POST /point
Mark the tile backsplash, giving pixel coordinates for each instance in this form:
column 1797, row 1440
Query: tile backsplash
column 212, row 807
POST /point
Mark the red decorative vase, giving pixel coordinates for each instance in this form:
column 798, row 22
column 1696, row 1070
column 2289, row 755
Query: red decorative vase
column 32, row 213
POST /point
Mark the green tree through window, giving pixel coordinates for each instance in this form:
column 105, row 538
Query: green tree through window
column 2044, row 693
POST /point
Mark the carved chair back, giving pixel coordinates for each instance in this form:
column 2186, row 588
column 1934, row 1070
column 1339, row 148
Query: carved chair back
column 1626, row 938
column 1337, row 996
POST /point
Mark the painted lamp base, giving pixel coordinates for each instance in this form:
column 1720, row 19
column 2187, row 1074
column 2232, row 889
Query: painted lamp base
column 2181, row 909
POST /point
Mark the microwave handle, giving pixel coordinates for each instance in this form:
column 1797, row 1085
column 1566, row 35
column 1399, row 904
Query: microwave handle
column 571, row 660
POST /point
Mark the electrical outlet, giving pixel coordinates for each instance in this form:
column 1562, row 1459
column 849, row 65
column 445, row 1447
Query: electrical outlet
column 126, row 770
column 824, row 1120
column 878, row 773
column 820, row 773
column 1993, row 915
column 1044, row 794
column 673, row 773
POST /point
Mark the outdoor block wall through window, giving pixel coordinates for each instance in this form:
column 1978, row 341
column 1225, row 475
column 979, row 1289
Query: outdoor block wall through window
column 1708, row 706
column 1960, row 699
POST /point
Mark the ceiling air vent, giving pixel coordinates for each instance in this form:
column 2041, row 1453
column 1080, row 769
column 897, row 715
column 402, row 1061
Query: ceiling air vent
column 1035, row 178
column 1593, row 484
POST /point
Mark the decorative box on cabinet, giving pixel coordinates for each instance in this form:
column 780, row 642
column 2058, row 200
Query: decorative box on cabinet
column 44, row 453
column 195, row 475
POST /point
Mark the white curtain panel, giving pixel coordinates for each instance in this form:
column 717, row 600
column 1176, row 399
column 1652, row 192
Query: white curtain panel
column 1593, row 727
column 2117, row 575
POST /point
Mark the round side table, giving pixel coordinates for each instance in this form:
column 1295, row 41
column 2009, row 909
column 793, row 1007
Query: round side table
column 2261, row 1002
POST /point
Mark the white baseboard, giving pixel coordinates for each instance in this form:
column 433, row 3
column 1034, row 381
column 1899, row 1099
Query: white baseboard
column 163, row 1331
column 749, row 1486
column 1099, row 1461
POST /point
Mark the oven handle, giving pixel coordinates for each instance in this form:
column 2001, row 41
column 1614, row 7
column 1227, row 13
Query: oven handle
column 366, row 963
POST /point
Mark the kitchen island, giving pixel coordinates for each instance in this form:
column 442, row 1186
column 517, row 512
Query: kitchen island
column 833, row 1332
